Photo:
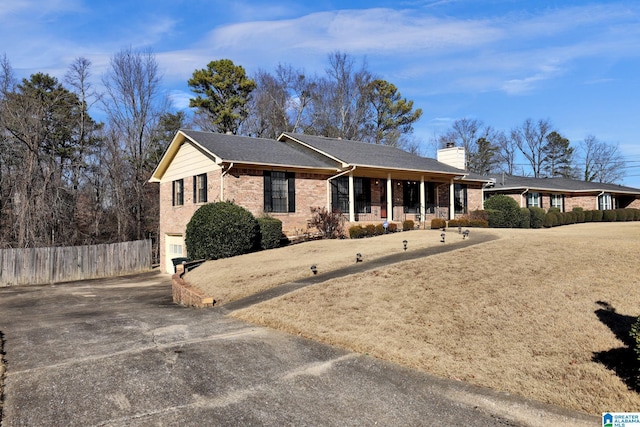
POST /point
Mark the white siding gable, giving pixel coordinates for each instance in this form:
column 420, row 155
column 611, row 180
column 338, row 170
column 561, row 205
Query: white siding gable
column 189, row 161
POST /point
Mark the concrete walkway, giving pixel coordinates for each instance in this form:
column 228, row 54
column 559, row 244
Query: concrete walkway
column 118, row 352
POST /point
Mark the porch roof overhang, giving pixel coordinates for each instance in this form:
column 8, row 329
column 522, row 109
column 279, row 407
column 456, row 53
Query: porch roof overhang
column 400, row 173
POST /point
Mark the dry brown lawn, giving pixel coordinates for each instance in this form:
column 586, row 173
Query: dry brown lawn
column 523, row 314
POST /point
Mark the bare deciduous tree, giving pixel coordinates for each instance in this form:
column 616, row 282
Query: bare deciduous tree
column 602, row 161
column 530, row 138
column 134, row 104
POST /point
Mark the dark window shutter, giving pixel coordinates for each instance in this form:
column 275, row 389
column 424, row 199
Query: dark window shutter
column 195, row 189
column 267, row 191
column 291, row 187
column 205, row 196
column 173, row 193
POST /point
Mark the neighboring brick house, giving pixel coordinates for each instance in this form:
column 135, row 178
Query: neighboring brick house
column 564, row 194
column 287, row 177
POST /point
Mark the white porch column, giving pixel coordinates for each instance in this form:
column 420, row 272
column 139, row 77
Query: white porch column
column 452, row 200
column 422, row 200
column 389, row 198
column 352, row 201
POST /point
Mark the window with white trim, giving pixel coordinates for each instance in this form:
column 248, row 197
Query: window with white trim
column 533, row 199
column 200, row 188
column 605, row 202
column 279, row 191
column 178, row 192
column 557, row 201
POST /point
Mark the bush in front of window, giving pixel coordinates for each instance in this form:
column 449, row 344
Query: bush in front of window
column 597, row 215
column 509, row 217
column 588, row 216
column 407, row 225
column 609, row 216
column 270, row 232
column 580, row 215
column 536, row 217
column 329, row 223
column 525, row 218
column 221, row 230
column 437, row 223
column 357, row 232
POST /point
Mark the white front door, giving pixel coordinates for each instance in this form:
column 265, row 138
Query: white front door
column 174, row 248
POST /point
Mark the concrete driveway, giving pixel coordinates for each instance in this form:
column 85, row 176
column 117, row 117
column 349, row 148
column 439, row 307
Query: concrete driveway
column 118, row 352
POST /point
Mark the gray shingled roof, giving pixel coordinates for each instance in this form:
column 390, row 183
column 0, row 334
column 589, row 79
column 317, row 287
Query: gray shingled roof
column 509, row 182
column 372, row 155
column 243, row 149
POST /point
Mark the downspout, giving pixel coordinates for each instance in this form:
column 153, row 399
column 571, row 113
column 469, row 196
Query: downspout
column 522, row 198
column 222, row 181
column 329, row 183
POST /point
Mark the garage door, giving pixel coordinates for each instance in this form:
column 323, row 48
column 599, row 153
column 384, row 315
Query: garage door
column 174, row 248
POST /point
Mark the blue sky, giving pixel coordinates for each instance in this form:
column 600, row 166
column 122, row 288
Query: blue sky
column 576, row 63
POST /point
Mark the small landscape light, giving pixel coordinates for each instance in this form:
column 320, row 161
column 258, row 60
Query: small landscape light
column 459, row 229
column 442, row 237
column 465, row 234
column 404, row 243
column 314, row 269
column 358, row 257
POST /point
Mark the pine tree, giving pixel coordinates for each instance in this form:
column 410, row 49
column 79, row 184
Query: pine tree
column 557, row 160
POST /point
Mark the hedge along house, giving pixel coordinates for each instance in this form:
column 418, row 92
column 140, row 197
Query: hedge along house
column 287, row 177
column 562, row 193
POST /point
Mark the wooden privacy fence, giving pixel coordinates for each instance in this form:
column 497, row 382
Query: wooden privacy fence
column 38, row 266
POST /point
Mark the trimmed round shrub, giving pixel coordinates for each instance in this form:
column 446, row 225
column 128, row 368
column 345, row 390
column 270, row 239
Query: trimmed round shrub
column 609, row 215
column 550, row 220
column 479, row 223
column 393, row 227
column 509, row 209
column 357, row 232
column 597, row 215
column 621, row 215
column 537, row 217
column 221, row 230
column 437, row 223
column 407, row 225
column 588, row 216
column 496, row 218
column 580, row 215
column 270, row 232
column 525, row 218
column 370, row 230
column 380, row 229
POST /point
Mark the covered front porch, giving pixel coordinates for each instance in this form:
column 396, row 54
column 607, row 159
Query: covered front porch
column 375, row 196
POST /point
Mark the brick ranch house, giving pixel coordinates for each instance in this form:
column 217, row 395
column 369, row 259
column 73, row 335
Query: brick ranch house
column 287, row 177
column 564, row 194
column 368, row 183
